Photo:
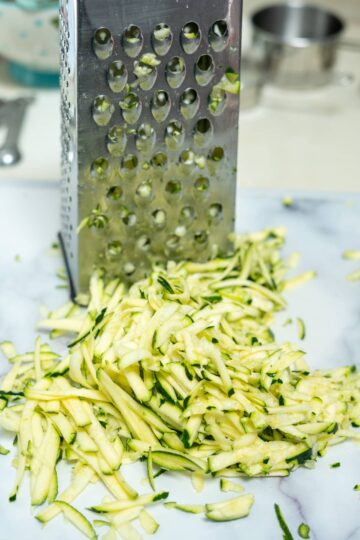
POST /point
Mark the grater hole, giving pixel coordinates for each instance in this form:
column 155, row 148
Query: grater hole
column 174, row 135
column 145, row 72
column 116, row 140
column 202, row 185
column 114, row 249
column 219, row 35
column 159, row 218
column 102, row 110
column 201, row 238
column 215, row 212
column 97, row 220
column 161, row 39
column 203, row 132
column 172, row 242
column 103, row 43
column 145, row 138
column 204, row 69
column 117, row 76
column 144, row 191
column 175, row 72
column 131, row 107
column 123, row 212
column 132, row 40
column 217, row 101
column 180, row 231
column 159, row 160
column 143, row 242
column 189, row 103
column 130, row 220
column 129, row 163
column 114, row 193
column 217, row 154
column 160, row 105
column 127, row 216
column 129, row 268
column 190, row 37
column 173, row 188
column 187, row 157
column 100, row 168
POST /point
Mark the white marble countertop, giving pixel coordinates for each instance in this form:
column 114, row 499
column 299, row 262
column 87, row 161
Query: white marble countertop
column 321, row 227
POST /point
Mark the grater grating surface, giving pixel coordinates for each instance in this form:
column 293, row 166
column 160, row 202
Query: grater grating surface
column 153, row 178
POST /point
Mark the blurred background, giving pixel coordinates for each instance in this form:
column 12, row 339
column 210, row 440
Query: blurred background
column 290, row 138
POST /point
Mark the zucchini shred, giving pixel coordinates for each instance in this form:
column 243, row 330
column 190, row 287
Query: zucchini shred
column 181, row 370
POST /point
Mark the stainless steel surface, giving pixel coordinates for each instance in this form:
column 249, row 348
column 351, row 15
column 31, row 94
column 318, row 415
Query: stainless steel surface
column 298, row 42
column 155, row 178
column 12, row 114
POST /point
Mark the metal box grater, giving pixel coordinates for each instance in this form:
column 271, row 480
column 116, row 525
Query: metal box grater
column 149, row 132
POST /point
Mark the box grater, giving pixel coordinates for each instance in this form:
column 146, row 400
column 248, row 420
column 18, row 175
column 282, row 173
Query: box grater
column 149, row 132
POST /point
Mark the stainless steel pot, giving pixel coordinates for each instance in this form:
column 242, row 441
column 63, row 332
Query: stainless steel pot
column 298, row 44
column 252, row 82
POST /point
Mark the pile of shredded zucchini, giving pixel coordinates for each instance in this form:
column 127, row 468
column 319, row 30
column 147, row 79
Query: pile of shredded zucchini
column 182, row 370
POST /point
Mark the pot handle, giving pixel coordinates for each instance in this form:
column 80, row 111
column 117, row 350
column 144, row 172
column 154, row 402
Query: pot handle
column 12, row 114
column 350, row 45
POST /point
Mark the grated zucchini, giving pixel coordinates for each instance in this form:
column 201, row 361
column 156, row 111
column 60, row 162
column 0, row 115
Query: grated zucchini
column 231, row 509
column 3, row 451
column 283, row 525
column 304, row 530
column 8, row 349
column 354, row 276
column 148, row 523
column 198, row 480
column 227, row 485
column 287, row 201
column 352, row 255
column 77, row 519
column 301, row 328
column 181, row 370
column 117, row 506
column 188, row 508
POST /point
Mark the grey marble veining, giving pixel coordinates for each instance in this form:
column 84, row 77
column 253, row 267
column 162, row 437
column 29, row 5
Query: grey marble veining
column 320, row 227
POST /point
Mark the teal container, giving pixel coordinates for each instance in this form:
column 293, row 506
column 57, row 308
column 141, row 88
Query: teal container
column 29, row 40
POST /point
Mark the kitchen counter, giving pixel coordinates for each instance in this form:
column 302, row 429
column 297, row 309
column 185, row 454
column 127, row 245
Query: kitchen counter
column 320, row 227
